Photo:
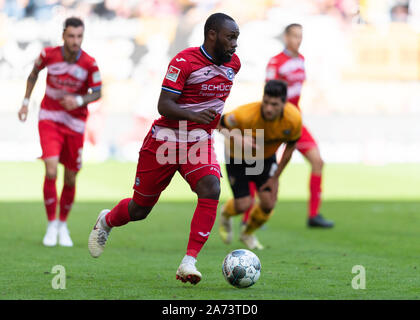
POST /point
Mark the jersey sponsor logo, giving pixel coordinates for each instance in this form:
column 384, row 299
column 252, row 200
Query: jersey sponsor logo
column 207, row 72
column 230, row 74
column 214, row 87
column 180, row 59
column 96, row 77
column 292, row 65
column 173, row 73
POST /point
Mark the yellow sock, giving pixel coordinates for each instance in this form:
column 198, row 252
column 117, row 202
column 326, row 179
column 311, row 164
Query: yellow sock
column 257, row 218
column 229, row 209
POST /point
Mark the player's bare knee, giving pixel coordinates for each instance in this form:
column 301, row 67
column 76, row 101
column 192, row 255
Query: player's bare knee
column 208, row 187
column 70, row 179
column 50, row 169
column 138, row 212
column 317, row 164
column 243, row 205
column 267, row 208
column 51, row 174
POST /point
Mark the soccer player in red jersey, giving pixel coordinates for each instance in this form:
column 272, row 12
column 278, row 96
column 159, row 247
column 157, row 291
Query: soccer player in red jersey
column 194, row 90
column 73, row 81
column 289, row 67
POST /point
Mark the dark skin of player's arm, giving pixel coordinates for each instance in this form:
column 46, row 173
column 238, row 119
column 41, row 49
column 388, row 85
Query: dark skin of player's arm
column 30, row 84
column 207, row 187
column 268, row 191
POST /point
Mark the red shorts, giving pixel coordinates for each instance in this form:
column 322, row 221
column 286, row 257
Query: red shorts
column 306, row 141
column 193, row 161
column 58, row 141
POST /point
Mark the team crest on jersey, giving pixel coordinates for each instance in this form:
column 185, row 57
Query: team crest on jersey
column 173, row 73
column 78, row 73
column 230, row 74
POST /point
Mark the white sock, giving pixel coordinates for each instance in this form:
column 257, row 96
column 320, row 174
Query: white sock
column 189, row 259
column 62, row 224
column 53, row 223
column 105, row 225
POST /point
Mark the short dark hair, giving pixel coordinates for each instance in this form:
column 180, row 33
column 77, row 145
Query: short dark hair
column 290, row 26
column 214, row 22
column 73, row 22
column 276, row 88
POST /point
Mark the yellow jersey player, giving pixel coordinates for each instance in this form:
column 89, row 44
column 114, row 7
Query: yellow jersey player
column 262, row 127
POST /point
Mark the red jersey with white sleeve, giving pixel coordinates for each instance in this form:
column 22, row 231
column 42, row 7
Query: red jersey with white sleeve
column 289, row 69
column 200, row 84
column 64, row 78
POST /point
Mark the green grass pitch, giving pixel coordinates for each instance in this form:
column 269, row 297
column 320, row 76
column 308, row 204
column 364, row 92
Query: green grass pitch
column 376, row 210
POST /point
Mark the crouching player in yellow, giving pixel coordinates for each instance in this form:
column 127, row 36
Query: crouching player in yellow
column 269, row 123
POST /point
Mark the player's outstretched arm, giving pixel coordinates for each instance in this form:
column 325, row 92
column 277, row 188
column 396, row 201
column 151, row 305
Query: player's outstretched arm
column 168, row 107
column 287, row 155
column 272, row 183
column 30, row 84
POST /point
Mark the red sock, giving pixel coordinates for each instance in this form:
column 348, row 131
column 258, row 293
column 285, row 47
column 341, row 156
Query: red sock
column 201, row 225
column 315, row 197
column 119, row 216
column 50, row 198
column 252, row 192
column 66, row 201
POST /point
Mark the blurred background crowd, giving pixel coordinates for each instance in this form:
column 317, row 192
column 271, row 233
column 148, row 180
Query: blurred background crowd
column 361, row 99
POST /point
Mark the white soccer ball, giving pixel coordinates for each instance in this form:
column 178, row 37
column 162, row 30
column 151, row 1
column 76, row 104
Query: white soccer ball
column 241, row 268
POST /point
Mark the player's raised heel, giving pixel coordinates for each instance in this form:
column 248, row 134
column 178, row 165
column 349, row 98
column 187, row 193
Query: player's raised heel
column 98, row 236
column 187, row 272
column 251, row 241
column 225, row 228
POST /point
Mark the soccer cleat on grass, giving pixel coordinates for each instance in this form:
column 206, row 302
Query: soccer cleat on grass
column 225, row 228
column 187, row 272
column 50, row 238
column 99, row 235
column 319, row 221
column 251, row 241
column 64, row 235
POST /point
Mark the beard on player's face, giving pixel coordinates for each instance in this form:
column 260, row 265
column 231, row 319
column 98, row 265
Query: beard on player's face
column 221, row 54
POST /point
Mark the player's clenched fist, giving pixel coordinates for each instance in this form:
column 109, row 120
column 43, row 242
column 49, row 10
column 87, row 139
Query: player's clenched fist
column 203, row 117
column 69, row 102
column 23, row 113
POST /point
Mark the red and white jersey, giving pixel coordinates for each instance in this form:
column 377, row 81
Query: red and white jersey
column 289, row 69
column 201, row 85
column 64, row 78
